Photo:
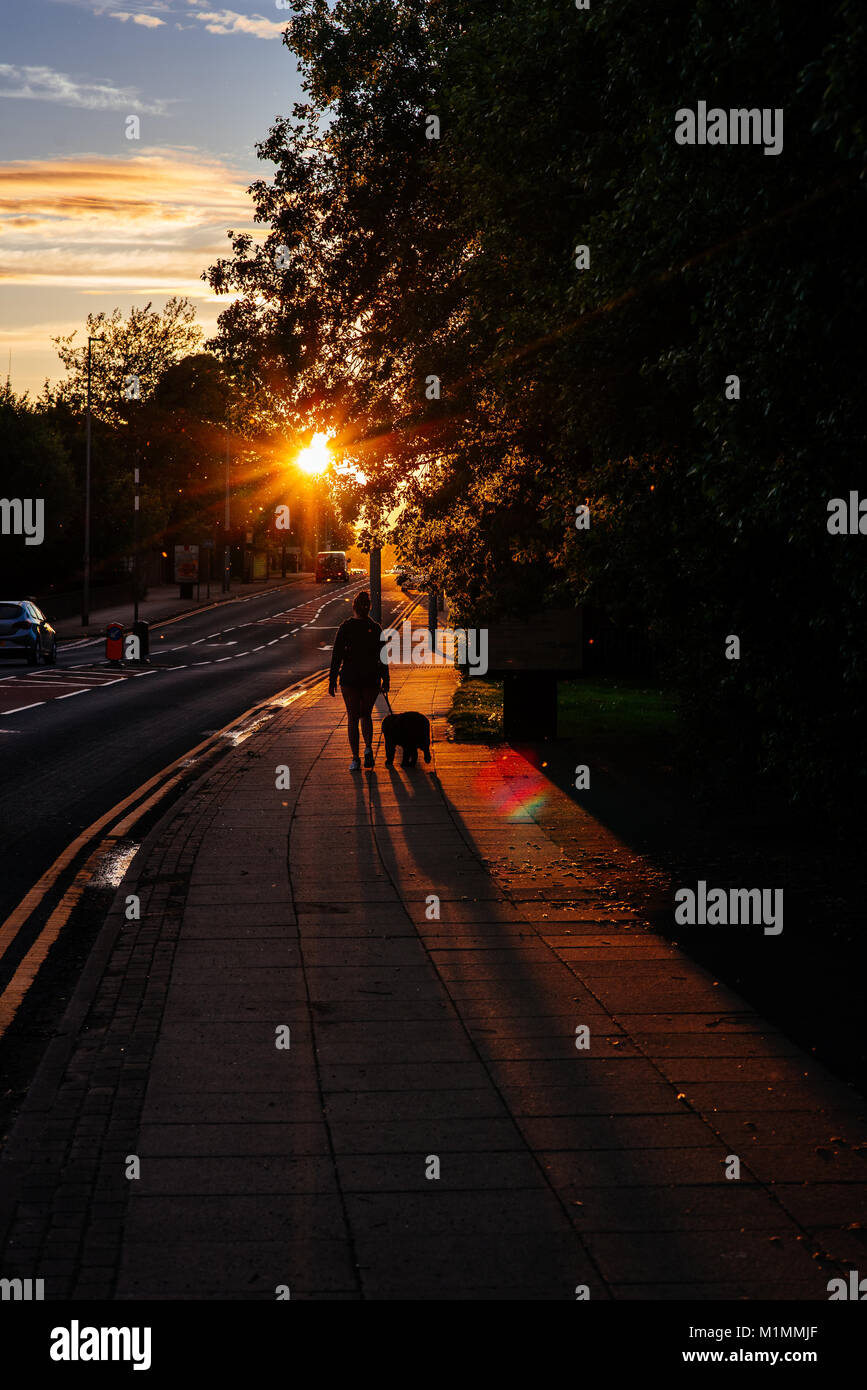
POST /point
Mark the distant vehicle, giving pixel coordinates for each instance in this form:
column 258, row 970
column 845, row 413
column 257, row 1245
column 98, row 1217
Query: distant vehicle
column 357, row 574
column 401, row 574
column 331, row 564
column 25, row 631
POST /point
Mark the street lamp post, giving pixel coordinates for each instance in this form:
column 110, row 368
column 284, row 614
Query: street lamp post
column 85, row 591
column 227, row 559
column 376, row 583
column 135, row 520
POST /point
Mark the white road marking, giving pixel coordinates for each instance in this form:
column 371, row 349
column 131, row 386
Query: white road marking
column 19, row 708
column 75, row 692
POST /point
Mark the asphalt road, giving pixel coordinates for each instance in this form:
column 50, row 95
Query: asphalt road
column 75, row 739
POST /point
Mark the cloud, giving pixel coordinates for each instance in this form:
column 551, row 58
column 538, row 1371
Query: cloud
column 230, row 22
column 149, row 222
column 147, row 21
column 46, row 84
column 215, row 21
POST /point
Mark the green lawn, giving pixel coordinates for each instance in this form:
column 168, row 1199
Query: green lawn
column 617, row 713
column 476, row 714
column 608, row 715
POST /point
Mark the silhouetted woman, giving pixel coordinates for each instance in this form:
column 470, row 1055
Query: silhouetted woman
column 357, row 659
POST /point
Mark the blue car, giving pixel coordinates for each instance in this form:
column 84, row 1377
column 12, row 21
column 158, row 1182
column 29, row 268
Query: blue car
column 25, row 631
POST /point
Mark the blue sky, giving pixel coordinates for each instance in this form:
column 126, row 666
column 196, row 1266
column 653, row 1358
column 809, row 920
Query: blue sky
column 90, row 219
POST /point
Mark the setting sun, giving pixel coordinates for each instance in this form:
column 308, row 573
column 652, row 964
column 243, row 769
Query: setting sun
column 315, row 458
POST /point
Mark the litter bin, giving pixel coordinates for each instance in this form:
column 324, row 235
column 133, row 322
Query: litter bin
column 141, row 630
column 114, row 643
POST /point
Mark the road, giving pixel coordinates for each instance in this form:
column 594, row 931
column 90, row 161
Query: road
column 77, row 738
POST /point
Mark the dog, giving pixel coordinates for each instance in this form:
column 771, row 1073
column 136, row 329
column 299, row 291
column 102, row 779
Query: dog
column 412, row 732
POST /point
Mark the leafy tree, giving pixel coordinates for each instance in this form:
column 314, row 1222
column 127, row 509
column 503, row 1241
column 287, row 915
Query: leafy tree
column 390, row 259
column 35, row 465
column 140, row 347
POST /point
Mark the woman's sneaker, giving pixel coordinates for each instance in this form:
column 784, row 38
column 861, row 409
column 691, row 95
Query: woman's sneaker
column 368, row 757
column 355, row 765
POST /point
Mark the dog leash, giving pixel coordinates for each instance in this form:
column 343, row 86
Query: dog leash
column 387, row 701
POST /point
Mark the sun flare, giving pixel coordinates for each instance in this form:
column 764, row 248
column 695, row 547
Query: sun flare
column 316, row 457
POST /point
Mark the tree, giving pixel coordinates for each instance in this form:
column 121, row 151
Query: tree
column 35, row 465
column 129, row 361
column 430, row 299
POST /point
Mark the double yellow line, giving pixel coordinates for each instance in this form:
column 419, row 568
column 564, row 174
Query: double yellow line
column 101, row 841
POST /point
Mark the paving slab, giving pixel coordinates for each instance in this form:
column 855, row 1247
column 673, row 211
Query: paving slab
column 431, row 1131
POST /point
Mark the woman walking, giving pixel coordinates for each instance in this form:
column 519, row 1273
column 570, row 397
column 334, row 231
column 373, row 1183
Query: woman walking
column 357, row 659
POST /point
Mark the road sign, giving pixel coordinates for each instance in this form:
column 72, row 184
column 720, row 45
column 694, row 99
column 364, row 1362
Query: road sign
column 548, row 641
column 186, row 564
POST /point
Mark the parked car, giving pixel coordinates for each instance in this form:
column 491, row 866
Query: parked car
column 25, row 631
column 331, row 564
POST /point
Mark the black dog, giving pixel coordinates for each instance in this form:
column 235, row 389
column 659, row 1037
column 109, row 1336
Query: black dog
column 412, row 731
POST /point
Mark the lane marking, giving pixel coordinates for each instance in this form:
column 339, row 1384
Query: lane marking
column 135, row 806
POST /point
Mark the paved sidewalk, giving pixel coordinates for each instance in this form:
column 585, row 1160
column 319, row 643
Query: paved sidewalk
column 163, row 602
column 418, row 1045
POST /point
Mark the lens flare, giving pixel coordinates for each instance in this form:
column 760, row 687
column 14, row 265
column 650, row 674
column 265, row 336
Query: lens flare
column 315, row 458
column 515, row 788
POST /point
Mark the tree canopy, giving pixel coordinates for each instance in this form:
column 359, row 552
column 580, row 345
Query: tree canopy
column 429, row 300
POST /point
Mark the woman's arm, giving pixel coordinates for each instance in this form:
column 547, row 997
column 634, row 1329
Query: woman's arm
column 384, row 672
column 336, row 658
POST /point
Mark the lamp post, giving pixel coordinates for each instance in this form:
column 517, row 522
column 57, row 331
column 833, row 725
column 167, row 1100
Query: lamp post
column 227, row 559
column 376, row 582
column 85, row 591
column 135, row 517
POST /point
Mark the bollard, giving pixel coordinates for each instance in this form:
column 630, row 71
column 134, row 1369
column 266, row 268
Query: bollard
column 141, row 630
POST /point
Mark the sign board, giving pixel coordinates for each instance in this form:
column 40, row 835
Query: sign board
column 548, row 641
column 186, row 564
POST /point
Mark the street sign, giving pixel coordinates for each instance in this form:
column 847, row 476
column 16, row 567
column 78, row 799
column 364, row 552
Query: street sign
column 186, row 564
column 548, row 641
